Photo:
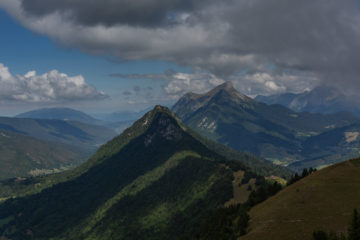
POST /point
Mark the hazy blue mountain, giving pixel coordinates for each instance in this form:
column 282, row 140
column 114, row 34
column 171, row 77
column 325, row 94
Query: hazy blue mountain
column 66, row 114
column 322, row 99
column 332, row 146
column 38, row 146
column 76, row 134
column 23, row 156
column 270, row 131
column 154, row 181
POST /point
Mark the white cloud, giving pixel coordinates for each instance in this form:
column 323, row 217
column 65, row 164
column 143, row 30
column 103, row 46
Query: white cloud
column 180, row 83
column 48, row 87
column 273, row 82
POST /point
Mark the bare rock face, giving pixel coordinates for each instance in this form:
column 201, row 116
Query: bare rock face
column 164, row 126
column 192, row 102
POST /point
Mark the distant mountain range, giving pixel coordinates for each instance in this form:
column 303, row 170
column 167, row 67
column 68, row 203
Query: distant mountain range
column 270, row 131
column 73, row 133
column 157, row 180
column 39, row 146
column 322, row 99
column 23, row 156
column 117, row 121
column 66, row 114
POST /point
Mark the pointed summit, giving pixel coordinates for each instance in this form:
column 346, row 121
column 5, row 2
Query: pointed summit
column 225, row 93
column 227, row 86
column 235, row 95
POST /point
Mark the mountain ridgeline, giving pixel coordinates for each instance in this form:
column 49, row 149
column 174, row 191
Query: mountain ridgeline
column 270, row 131
column 322, row 99
column 153, row 181
column 66, row 114
column 41, row 146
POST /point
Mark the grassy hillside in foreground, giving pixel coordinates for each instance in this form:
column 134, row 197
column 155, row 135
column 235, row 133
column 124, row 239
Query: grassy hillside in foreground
column 324, row 200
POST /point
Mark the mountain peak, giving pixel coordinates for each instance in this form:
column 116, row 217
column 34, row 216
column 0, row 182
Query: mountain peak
column 226, row 85
column 225, row 92
column 234, row 94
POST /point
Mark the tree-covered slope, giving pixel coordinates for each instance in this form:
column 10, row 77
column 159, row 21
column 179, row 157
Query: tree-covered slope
column 322, row 201
column 154, row 181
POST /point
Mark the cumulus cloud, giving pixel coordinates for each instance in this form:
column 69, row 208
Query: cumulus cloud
column 176, row 83
column 250, row 83
column 48, row 87
column 319, row 38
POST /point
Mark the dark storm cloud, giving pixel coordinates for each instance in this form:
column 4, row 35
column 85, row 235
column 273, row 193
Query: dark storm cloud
column 315, row 38
column 112, row 12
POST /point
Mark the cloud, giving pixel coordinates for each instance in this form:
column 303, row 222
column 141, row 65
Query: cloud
column 319, row 38
column 48, row 87
column 176, row 83
column 268, row 82
column 137, row 89
column 127, row 93
column 112, row 12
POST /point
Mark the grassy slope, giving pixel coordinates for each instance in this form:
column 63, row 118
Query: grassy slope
column 324, row 200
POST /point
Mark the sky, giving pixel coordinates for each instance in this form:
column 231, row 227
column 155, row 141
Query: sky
column 114, row 55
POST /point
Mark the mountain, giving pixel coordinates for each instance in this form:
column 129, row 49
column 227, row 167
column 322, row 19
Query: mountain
column 66, row 114
column 154, row 181
column 322, row 201
column 270, row 131
column 322, row 99
column 76, row 134
column 339, row 144
column 23, row 156
column 37, row 146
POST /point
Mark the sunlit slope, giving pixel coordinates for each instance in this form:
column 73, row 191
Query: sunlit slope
column 324, row 200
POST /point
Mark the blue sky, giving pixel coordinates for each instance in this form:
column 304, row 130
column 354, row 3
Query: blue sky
column 23, row 51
